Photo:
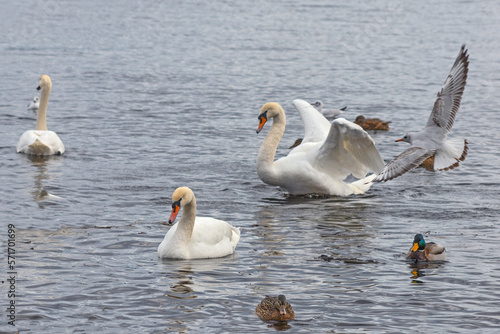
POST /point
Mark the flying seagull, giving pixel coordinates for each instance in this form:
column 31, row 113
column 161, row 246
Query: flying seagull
column 432, row 141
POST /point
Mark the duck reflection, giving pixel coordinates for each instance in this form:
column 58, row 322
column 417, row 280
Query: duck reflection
column 42, row 165
column 280, row 326
column 419, row 269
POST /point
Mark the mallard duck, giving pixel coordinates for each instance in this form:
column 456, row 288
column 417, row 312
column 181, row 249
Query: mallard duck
column 422, row 251
column 275, row 309
column 372, row 123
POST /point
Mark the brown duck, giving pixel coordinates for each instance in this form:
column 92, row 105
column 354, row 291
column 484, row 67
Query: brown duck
column 275, row 309
column 428, row 163
column 422, row 251
column 371, row 123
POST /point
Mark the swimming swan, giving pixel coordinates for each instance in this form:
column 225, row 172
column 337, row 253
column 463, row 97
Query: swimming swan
column 41, row 141
column 327, row 155
column 196, row 237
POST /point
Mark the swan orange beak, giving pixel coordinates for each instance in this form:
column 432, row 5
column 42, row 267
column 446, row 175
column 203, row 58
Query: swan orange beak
column 415, row 247
column 175, row 210
column 262, row 121
column 401, row 139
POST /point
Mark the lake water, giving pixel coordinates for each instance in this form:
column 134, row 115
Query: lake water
column 151, row 95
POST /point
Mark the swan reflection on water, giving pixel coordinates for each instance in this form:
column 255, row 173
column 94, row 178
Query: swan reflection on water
column 182, row 275
column 43, row 165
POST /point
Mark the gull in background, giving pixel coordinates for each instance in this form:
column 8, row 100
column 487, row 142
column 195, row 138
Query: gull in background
column 328, row 113
column 34, row 105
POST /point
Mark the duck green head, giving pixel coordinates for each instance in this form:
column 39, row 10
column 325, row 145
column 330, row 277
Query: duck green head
column 418, row 243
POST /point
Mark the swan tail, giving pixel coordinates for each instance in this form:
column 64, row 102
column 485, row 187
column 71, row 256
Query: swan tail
column 363, row 185
column 39, row 148
column 235, row 236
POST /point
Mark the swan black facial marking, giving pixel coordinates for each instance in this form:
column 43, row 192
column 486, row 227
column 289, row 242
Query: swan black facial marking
column 176, row 203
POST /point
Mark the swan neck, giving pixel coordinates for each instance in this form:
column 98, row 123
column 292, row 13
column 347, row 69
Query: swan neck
column 186, row 223
column 41, row 121
column 267, row 151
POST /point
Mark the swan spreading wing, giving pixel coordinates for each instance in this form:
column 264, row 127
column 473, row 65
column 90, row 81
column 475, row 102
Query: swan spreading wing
column 346, row 147
column 350, row 147
column 316, row 126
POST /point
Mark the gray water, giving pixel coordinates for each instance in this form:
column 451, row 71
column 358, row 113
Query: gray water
column 151, row 95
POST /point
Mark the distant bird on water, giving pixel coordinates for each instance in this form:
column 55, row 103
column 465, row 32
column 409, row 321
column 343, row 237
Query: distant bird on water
column 432, row 141
column 328, row 113
column 34, row 105
column 275, row 309
column 372, row 123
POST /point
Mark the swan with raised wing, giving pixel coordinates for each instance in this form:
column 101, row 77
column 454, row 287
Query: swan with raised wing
column 328, row 154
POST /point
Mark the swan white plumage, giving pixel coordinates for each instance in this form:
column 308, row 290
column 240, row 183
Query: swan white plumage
column 328, row 154
column 41, row 141
column 34, row 105
column 196, row 237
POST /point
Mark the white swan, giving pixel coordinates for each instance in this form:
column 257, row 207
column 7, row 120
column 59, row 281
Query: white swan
column 41, row 141
column 196, row 237
column 34, row 105
column 326, row 156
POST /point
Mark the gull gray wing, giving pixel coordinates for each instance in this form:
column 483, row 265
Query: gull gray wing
column 316, row 126
column 448, row 98
column 406, row 161
column 350, row 149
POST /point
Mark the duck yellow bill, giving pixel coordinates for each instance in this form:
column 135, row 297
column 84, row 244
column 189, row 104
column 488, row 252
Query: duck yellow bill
column 173, row 215
column 415, row 247
column 282, row 310
column 262, row 121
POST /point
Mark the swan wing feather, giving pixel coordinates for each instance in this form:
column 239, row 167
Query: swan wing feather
column 316, row 126
column 349, row 147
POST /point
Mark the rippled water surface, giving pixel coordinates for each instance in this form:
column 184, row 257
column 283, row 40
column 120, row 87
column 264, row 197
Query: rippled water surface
column 151, row 95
